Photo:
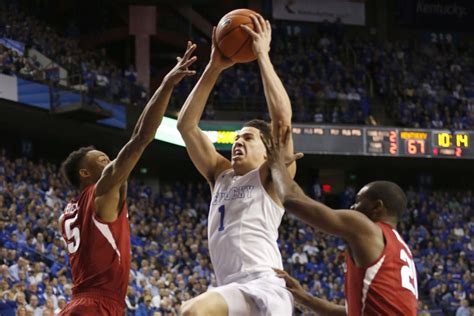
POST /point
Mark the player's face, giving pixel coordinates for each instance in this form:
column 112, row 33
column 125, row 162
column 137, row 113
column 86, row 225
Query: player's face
column 248, row 151
column 363, row 204
column 95, row 162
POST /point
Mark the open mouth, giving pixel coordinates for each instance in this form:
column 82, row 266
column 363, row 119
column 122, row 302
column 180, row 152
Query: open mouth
column 237, row 153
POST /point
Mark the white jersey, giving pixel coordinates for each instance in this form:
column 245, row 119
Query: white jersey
column 243, row 227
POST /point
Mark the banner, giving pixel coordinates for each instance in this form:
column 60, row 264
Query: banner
column 39, row 95
column 8, row 88
column 13, row 45
column 350, row 12
column 52, row 70
column 454, row 14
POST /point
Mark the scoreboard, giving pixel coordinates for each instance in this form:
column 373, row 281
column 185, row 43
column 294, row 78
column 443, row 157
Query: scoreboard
column 395, row 142
column 346, row 140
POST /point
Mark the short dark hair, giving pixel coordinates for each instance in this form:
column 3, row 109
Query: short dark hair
column 392, row 196
column 262, row 126
column 70, row 166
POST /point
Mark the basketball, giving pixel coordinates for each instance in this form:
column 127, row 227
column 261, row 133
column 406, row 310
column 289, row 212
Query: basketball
column 232, row 40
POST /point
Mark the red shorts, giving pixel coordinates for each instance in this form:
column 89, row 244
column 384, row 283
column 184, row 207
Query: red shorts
column 90, row 306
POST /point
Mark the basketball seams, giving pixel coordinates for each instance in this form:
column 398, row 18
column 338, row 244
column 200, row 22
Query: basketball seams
column 235, row 44
column 232, row 29
column 228, row 33
column 241, row 46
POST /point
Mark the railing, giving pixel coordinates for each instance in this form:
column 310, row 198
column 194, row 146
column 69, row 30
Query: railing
column 244, row 108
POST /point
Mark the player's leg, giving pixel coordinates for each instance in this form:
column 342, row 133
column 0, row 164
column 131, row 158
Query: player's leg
column 209, row 303
column 221, row 301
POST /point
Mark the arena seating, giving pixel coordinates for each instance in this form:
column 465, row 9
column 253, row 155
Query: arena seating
column 170, row 261
column 331, row 77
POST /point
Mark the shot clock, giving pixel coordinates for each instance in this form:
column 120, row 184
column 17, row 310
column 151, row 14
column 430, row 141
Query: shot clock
column 447, row 143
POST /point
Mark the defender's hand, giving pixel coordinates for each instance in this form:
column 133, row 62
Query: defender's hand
column 181, row 69
column 292, row 285
column 277, row 154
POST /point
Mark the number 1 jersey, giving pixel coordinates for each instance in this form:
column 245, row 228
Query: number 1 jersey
column 243, row 227
column 386, row 287
column 99, row 252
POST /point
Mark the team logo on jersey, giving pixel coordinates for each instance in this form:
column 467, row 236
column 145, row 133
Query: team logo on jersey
column 242, row 192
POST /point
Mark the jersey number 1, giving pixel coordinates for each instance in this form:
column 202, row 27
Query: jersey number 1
column 222, row 211
column 408, row 273
column 73, row 235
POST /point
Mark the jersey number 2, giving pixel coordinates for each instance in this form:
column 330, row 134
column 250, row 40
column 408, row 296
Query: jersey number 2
column 73, row 235
column 222, row 211
column 408, row 273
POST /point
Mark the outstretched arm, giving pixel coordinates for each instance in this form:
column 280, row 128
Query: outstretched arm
column 200, row 149
column 319, row 306
column 117, row 172
column 363, row 236
column 278, row 102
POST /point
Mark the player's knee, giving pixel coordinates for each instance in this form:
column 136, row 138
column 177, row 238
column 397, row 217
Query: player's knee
column 189, row 308
column 207, row 304
column 199, row 307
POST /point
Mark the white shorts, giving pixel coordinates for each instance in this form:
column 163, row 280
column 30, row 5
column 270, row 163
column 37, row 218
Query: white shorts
column 260, row 297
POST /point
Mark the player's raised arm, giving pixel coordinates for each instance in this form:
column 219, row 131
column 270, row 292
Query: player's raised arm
column 201, row 150
column 354, row 227
column 117, row 172
column 278, row 102
column 317, row 305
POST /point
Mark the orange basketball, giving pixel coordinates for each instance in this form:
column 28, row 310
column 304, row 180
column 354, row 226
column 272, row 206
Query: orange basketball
column 232, row 40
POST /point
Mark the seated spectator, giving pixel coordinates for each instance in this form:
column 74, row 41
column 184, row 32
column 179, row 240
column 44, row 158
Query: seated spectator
column 464, row 309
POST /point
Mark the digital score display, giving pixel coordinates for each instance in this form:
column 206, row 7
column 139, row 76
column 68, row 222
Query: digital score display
column 414, row 143
column 360, row 141
column 395, row 142
column 379, row 142
column 452, row 144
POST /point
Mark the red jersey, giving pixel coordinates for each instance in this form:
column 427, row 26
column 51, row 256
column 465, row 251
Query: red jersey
column 386, row 287
column 99, row 252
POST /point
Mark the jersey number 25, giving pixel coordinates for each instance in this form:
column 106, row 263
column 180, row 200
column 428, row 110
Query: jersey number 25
column 73, row 235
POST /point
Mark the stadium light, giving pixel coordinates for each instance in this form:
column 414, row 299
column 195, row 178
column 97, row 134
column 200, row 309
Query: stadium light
column 168, row 132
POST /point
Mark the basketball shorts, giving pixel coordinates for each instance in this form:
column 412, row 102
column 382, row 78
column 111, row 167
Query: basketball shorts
column 91, row 306
column 263, row 296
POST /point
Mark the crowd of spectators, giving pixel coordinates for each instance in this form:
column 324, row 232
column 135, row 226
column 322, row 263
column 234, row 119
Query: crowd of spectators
column 11, row 63
column 429, row 85
column 422, row 84
column 330, row 77
column 170, row 257
column 91, row 70
column 318, row 70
